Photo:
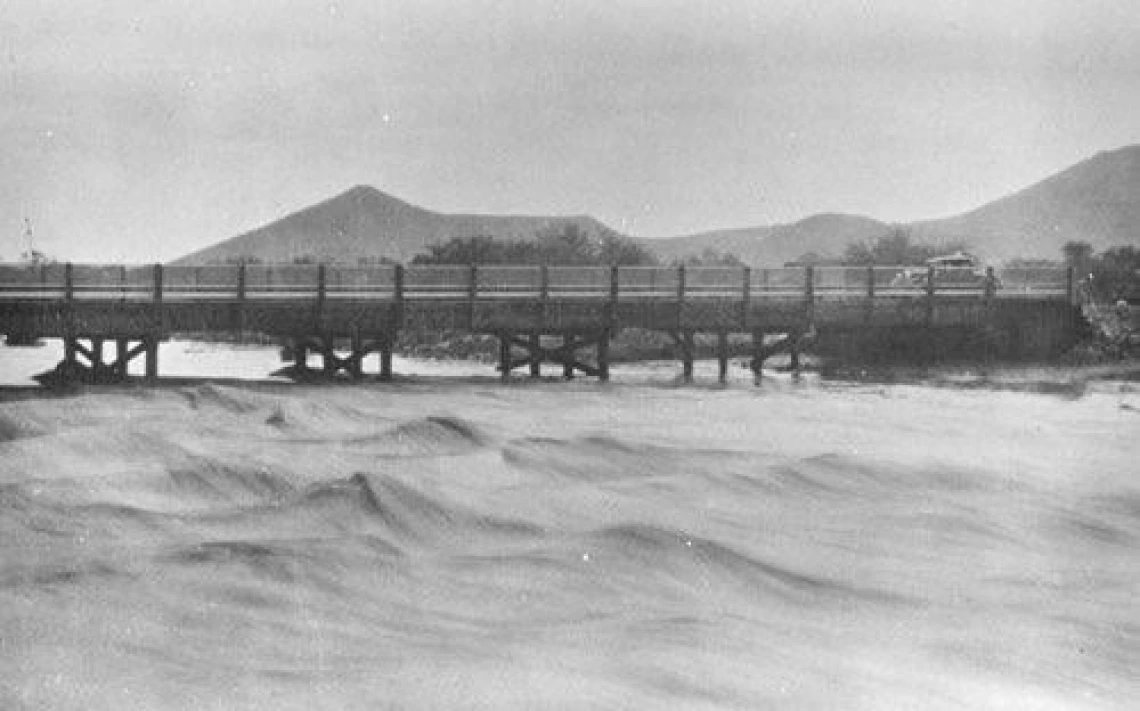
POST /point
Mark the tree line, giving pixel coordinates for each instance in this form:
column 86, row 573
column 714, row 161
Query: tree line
column 1108, row 276
column 568, row 245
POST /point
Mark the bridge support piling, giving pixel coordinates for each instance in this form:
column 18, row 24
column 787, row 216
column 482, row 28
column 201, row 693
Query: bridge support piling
column 150, row 344
column 119, row 367
column 356, row 360
column 758, row 354
column 722, row 356
column 98, row 370
column 504, row 356
column 301, row 358
column 565, row 353
column 535, row 355
column 332, row 363
column 328, row 357
column 794, row 353
column 687, row 354
column 386, row 358
column 604, row 356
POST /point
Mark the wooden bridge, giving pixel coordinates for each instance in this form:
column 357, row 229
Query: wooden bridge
column 539, row 313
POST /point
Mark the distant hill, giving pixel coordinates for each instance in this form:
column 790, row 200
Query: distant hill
column 825, row 234
column 1096, row 201
column 366, row 224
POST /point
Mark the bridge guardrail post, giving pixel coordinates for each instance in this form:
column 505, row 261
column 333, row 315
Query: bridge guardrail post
column 157, row 298
column 319, row 314
column 809, row 294
column 543, row 295
column 472, row 296
column 681, row 297
column 745, row 297
column 399, row 299
column 612, row 304
column 869, row 311
column 930, row 295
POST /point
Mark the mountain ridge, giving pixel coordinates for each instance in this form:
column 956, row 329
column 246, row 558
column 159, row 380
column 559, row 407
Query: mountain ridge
column 1096, row 200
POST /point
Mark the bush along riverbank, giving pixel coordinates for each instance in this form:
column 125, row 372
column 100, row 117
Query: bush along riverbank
column 627, row 346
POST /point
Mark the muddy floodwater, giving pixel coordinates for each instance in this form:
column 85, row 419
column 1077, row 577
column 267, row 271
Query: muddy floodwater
column 456, row 543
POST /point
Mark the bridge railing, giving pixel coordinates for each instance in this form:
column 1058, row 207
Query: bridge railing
column 714, row 282
column 1034, row 282
column 360, row 283
column 578, row 282
column 207, row 283
column 33, row 281
column 311, row 282
column 292, row 282
column 508, row 282
column 449, row 283
column 779, row 283
column 640, row 283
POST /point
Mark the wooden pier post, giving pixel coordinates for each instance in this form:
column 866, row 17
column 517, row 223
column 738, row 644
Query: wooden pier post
column 535, row 354
column 504, row 356
column 567, row 356
column 69, row 350
column 604, row 356
column 151, row 345
column 722, row 356
column 328, row 356
column 794, row 353
column 757, row 353
column 356, row 358
column 301, row 356
column 122, row 355
column 687, row 349
column 386, row 358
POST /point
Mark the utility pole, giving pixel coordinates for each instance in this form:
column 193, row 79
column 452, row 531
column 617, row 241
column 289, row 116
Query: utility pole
column 30, row 254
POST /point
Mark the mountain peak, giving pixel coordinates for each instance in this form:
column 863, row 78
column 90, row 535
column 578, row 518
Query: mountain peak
column 366, row 195
column 1131, row 152
column 363, row 223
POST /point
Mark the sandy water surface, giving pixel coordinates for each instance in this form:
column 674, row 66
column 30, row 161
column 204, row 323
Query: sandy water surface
column 457, row 543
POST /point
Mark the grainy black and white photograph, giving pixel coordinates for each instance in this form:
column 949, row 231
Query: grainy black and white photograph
column 539, row 354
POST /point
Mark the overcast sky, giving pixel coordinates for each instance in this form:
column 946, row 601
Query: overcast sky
column 143, row 130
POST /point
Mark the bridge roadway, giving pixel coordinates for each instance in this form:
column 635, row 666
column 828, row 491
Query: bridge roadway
column 343, row 314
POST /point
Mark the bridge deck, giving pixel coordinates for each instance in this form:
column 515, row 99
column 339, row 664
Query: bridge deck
column 317, row 308
column 61, row 299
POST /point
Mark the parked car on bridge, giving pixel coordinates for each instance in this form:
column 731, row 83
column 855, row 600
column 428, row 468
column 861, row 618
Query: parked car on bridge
column 952, row 271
